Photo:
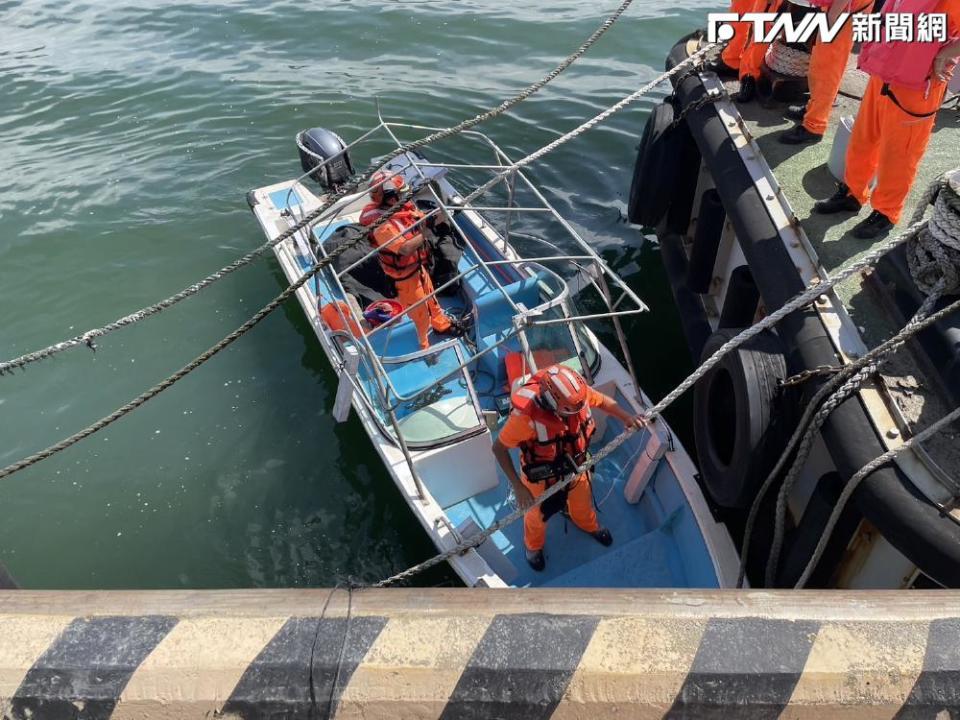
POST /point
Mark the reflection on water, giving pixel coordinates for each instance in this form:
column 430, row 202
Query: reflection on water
column 131, row 133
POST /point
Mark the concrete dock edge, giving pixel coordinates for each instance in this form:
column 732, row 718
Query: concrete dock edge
column 444, row 653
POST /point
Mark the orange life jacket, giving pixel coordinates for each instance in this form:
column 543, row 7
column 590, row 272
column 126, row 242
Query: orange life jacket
column 373, row 211
column 333, row 318
column 397, row 266
column 545, row 458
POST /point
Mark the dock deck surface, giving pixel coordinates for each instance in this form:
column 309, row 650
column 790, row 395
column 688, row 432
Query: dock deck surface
column 804, row 176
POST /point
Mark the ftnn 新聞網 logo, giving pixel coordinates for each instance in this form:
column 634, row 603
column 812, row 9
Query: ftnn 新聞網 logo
column 867, row 27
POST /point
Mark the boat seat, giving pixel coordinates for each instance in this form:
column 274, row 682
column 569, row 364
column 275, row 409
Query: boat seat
column 494, row 321
column 322, row 232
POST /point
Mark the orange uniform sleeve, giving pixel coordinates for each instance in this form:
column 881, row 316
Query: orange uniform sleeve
column 516, row 430
column 595, row 399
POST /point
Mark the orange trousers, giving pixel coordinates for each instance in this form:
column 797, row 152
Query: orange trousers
column 751, row 57
column 425, row 315
column 828, row 61
column 741, row 33
column 889, row 144
column 579, row 505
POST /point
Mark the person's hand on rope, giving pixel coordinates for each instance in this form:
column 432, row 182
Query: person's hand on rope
column 523, row 496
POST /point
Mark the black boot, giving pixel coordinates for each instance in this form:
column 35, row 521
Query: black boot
column 603, row 537
column 840, row 201
column 876, row 224
column 748, row 90
column 796, row 112
column 799, row 135
column 536, row 560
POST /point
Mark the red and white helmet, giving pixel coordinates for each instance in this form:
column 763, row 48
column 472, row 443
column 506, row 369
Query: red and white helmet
column 385, row 187
column 563, row 390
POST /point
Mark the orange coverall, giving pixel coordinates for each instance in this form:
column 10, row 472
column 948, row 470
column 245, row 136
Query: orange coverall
column 889, row 143
column 828, row 61
column 741, row 33
column 751, row 57
column 519, row 430
column 409, row 274
column 427, row 315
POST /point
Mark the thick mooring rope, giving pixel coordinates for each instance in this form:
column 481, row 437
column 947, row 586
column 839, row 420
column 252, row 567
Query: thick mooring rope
column 87, row 338
column 786, row 60
column 934, row 256
column 852, row 378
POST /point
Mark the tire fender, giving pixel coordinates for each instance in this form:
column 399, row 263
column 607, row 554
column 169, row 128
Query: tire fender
column 655, row 170
column 740, row 425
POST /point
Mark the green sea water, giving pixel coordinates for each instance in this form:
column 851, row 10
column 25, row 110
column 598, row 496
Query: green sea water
column 129, row 135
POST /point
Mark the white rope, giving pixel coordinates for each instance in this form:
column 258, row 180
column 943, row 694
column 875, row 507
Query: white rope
column 787, row 60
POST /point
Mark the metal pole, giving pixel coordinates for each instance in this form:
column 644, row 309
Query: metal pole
column 512, row 186
column 406, row 452
column 604, row 288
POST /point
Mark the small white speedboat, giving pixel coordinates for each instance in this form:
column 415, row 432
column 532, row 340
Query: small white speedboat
column 432, row 414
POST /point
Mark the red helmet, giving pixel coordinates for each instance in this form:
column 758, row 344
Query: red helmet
column 385, row 187
column 564, row 390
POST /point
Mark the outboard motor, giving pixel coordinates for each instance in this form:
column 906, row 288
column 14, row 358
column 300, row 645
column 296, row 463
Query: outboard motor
column 319, row 145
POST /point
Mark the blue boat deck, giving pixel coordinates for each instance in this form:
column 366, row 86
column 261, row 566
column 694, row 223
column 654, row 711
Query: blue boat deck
column 647, row 537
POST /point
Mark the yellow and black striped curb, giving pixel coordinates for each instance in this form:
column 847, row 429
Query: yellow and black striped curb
column 463, row 654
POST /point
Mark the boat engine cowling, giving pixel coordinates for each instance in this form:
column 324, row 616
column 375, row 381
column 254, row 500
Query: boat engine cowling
column 324, row 155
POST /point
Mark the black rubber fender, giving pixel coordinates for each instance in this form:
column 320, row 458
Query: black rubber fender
column 738, row 423
column 655, row 170
column 706, row 242
column 887, row 498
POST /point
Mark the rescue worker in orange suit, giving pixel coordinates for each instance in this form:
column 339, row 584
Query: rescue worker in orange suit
column 828, row 62
column 908, row 81
column 551, row 423
column 405, row 254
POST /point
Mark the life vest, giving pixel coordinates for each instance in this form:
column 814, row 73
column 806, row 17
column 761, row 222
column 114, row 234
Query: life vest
column 397, row 266
column 545, row 457
column 333, row 315
column 902, row 63
column 372, row 212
